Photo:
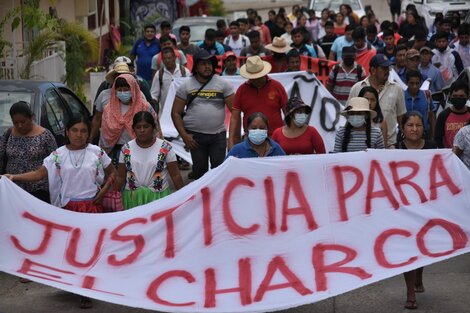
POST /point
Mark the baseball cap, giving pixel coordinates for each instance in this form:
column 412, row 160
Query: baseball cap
column 228, row 54
column 380, row 60
column 426, row 48
column 412, row 53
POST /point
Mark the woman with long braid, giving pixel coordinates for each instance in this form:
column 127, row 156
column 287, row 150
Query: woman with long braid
column 358, row 133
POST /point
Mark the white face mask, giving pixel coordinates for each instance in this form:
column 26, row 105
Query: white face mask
column 356, row 120
column 300, row 119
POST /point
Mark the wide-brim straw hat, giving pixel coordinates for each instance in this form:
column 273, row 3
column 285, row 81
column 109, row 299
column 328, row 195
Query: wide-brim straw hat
column 255, row 68
column 358, row 104
column 118, row 69
column 278, row 45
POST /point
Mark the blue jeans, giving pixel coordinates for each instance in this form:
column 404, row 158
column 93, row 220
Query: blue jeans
column 211, row 147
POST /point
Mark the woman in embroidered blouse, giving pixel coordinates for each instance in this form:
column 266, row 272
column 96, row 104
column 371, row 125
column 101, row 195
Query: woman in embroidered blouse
column 24, row 147
column 145, row 164
column 75, row 171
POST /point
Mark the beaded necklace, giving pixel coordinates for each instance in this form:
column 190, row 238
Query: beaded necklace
column 77, row 162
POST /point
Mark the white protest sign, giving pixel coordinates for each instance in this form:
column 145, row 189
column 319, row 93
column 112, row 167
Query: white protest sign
column 253, row 235
column 325, row 114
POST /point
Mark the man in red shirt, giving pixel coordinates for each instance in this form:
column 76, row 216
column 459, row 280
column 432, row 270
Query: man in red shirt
column 454, row 117
column 259, row 94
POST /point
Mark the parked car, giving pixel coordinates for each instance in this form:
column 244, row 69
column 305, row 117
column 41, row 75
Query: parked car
column 319, row 5
column 198, row 25
column 429, row 8
column 52, row 103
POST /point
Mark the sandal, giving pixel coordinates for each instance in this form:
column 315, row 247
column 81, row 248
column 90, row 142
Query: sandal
column 411, row 305
column 419, row 288
column 85, row 303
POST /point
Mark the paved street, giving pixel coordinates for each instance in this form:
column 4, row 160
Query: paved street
column 447, row 285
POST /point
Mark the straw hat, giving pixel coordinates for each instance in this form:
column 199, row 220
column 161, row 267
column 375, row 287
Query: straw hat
column 279, row 45
column 255, row 68
column 118, row 69
column 358, row 104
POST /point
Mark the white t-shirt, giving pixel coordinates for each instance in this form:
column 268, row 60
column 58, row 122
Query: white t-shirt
column 144, row 163
column 237, row 45
column 167, row 79
column 77, row 178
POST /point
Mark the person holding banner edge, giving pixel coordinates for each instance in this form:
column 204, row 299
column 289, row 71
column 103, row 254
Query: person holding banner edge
column 75, row 173
column 412, row 127
column 145, row 164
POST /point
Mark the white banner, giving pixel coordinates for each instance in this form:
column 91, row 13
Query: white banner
column 253, row 235
column 325, row 114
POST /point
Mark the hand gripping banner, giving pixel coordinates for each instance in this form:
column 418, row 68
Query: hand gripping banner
column 253, row 235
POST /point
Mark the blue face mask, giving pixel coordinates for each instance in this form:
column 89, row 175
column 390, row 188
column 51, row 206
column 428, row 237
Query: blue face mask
column 257, row 136
column 124, row 96
column 356, row 120
column 300, row 119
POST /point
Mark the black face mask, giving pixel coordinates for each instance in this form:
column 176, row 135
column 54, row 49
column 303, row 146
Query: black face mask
column 348, row 61
column 458, row 103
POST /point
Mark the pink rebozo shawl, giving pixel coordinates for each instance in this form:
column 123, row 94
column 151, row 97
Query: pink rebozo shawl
column 114, row 122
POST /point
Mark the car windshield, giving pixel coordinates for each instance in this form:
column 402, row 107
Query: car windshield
column 7, row 99
column 197, row 31
column 319, row 5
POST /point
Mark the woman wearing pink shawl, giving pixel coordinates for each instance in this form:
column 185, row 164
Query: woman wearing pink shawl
column 116, row 126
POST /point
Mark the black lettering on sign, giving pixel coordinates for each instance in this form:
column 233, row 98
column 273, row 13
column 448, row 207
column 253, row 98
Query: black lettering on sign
column 325, row 101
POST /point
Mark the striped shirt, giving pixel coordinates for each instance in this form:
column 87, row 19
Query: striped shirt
column 344, row 82
column 357, row 142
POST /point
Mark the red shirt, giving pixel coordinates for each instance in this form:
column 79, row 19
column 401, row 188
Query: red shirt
column 310, row 142
column 275, row 67
column 270, row 100
column 453, row 124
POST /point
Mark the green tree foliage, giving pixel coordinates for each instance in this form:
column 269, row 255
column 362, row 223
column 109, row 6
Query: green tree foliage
column 81, row 45
column 216, row 7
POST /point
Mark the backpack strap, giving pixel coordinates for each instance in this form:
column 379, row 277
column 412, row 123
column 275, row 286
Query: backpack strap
column 243, row 42
column 359, row 72
column 182, row 70
column 335, row 72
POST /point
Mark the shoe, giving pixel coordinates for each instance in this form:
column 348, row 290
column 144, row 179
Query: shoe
column 411, row 305
column 85, row 303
